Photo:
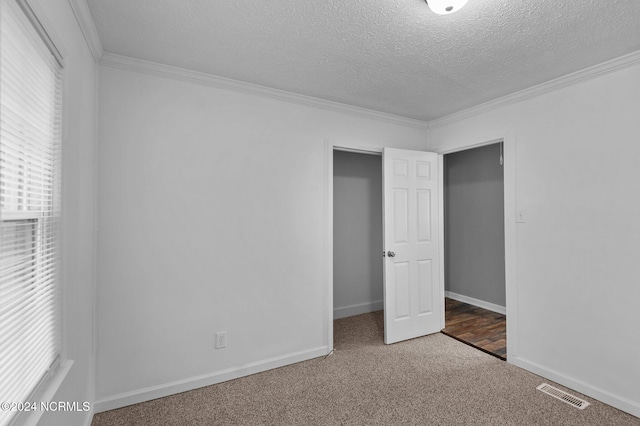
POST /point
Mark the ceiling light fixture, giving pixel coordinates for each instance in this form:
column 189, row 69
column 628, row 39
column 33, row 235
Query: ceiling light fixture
column 445, row 7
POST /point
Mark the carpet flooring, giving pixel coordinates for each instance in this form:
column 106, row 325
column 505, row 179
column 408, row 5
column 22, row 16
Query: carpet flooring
column 432, row 380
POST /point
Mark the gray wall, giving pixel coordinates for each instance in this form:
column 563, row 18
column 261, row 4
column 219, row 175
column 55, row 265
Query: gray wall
column 474, row 224
column 357, row 233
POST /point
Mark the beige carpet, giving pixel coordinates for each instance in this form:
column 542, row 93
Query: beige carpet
column 433, row 380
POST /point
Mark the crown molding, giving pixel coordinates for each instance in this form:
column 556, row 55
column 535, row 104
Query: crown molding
column 88, row 27
column 585, row 74
column 167, row 71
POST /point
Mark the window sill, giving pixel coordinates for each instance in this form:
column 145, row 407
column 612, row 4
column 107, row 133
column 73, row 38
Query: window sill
column 47, row 394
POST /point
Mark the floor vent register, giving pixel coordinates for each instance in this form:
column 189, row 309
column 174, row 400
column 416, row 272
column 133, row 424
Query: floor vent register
column 563, row 396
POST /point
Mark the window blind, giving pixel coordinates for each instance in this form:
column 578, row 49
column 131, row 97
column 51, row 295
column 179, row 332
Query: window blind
column 30, row 137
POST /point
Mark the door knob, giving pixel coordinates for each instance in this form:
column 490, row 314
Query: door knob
column 391, row 254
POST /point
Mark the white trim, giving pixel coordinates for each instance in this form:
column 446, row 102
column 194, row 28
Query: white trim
column 191, row 383
column 476, row 302
column 617, row 401
column 585, row 74
column 88, row 27
column 441, row 277
column 357, row 309
column 472, row 146
column 358, row 150
column 48, row 393
column 167, row 71
column 328, row 220
column 510, row 177
column 510, row 242
column 328, row 242
column 40, row 21
column 96, row 234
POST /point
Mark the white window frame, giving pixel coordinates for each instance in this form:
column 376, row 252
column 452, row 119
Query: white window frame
column 48, row 384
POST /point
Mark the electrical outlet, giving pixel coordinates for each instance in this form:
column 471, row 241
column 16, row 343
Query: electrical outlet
column 221, row 339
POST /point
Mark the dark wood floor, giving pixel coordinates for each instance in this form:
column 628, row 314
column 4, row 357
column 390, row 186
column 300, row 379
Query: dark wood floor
column 483, row 329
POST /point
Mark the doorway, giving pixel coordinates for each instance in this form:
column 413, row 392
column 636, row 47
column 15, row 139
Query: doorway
column 357, row 233
column 474, row 241
column 412, row 237
column 510, row 229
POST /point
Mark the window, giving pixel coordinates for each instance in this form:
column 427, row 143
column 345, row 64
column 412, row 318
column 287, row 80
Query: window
column 30, row 136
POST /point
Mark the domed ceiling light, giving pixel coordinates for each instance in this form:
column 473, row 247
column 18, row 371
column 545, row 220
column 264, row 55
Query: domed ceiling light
column 445, row 7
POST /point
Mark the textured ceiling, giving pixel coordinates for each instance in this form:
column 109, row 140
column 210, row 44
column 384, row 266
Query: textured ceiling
column 393, row 56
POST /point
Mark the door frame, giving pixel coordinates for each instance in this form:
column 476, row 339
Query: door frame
column 330, row 148
column 509, row 153
column 509, row 182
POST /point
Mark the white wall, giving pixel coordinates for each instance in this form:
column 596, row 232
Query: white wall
column 79, row 99
column 357, row 233
column 576, row 278
column 213, row 213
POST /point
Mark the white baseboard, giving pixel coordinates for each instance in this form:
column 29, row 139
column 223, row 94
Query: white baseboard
column 360, row 308
column 191, row 383
column 476, row 302
column 621, row 403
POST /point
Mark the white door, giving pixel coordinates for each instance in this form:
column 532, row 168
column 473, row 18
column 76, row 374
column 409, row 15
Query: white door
column 413, row 302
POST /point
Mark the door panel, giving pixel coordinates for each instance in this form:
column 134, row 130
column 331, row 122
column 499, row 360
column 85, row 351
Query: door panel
column 424, row 215
column 411, row 269
column 402, row 296
column 425, row 275
column 400, row 219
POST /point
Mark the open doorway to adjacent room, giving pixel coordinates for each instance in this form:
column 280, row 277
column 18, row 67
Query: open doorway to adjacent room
column 474, row 245
column 474, row 254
